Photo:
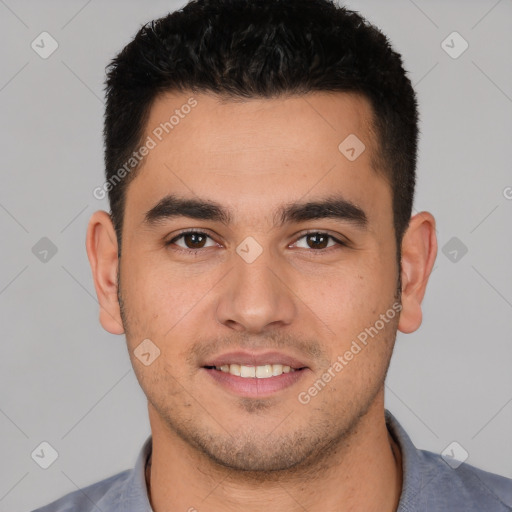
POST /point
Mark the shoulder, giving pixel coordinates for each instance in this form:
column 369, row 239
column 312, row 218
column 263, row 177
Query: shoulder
column 465, row 487
column 118, row 493
column 434, row 483
column 98, row 496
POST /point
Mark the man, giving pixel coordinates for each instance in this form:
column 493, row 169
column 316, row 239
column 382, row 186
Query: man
column 260, row 256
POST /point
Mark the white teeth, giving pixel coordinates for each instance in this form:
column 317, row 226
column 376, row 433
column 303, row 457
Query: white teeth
column 247, row 371
column 260, row 372
column 277, row 369
column 234, row 369
column 263, row 372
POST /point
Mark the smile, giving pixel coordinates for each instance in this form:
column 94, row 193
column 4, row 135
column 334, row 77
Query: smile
column 260, row 372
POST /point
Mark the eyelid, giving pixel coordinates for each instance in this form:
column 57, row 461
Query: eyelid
column 340, row 240
column 200, row 231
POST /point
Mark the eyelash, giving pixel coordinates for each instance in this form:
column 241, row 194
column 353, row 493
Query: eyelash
column 196, row 251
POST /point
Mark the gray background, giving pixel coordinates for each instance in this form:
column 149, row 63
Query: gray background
column 64, row 380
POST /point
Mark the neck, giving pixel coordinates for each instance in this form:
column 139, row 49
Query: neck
column 363, row 473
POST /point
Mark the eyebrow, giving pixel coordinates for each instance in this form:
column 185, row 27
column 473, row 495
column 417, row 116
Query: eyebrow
column 334, row 207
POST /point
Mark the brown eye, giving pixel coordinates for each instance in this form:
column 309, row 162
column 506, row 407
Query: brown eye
column 193, row 240
column 320, row 240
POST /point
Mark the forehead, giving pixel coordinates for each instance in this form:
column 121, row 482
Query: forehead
column 318, row 119
column 259, row 151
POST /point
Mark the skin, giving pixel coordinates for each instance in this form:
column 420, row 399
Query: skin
column 214, row 450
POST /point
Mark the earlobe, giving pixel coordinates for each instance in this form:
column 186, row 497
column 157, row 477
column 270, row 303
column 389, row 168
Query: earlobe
column 419, row 251
column 101, row 245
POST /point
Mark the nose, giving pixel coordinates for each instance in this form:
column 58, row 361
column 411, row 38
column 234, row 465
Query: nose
column 256, row 296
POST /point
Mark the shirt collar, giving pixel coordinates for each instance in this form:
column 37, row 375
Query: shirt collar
column 135, row 493
column 413, row 469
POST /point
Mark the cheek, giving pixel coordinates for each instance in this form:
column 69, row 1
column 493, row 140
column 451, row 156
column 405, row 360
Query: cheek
column 157, row 292
column 166, row 305
column 160, row 381
column 351, row 299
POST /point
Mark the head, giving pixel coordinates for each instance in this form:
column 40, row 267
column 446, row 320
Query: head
column 265, row 126
column 262, row 50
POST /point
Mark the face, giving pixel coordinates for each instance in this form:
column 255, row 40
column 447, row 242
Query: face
column 262, row 279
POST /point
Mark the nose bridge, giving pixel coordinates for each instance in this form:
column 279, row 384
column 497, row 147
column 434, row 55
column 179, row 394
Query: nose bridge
column 255, row 294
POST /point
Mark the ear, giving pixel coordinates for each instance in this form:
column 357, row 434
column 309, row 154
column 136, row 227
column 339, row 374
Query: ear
column 419, row 251
column 101, row 244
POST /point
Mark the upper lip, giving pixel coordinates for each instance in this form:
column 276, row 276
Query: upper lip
column 255, row 359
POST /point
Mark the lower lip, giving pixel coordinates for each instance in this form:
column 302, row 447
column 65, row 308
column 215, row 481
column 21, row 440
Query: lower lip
column 253, row 387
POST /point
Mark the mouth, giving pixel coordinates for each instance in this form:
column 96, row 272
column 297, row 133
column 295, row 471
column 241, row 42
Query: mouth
column 255, row 375
column 264, row 371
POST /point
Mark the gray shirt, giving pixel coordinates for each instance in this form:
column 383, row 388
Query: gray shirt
column 429, row 485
